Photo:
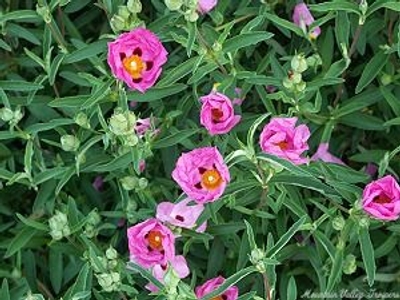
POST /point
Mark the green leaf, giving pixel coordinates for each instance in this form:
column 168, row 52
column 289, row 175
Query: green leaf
column 86, row 52
column 285, row 24
column 56, row 123
column 20, row 240
column 174, row 138
column 339, row 5
column 358, row 103
column 100, row 92
column 145, row 274
column 177, row 73
column 393, row 102
column 32, row 223
column 291, row 289
column 371, row 70
column 250, row 235
column 232, row 280
column 71, row 102
column 367, row 252
column 19, row 86
column 20, row 16
column 336, row 271
column 56, row 269
column 284, row 239
column 5, row 292
column 157, row 93
column 245, row 40
column 55, row 65
column 393, row 5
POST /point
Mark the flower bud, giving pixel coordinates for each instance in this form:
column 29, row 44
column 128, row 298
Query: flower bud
column 191, row 16
column 134, row 6
column 82, row 120
column 117, row 23
column 299, row 63
column 111, row 253
column 173, row 4
column 287, row 83
column 121, row 123
column 6, row 114
column 129, row 183
column 349, row 264
column 69, row 143
column 296, row 78
column 386, row 79
column 301, row 86
column 59, row 226
column 364, row 222
column 131, row 140
column 338, row 223
column 256, row 255
column 142, row 184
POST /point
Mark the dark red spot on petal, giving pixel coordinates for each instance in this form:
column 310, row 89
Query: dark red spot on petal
column 136, row 80
column 198, row 186
column 164, row 267
column 137, row 52
column 122, row 56
column 162, row 252
column 202, row 170
column 149, row 65
column 224, row 297
column 149, row 248
column 180, row 218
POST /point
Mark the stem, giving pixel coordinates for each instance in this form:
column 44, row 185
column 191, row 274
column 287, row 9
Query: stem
column 266, row 286
column 238, row 20
column 339, row 90
column 44, row 289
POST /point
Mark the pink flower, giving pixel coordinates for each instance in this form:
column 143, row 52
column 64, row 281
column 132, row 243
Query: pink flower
column 324, row 155
column 178, row 263
column 282, row 138
column 217, row 114
column 381, row 199
column 202, row 174
column 151, row 243
column 302, row 17
column 98, row 183
column 181, row 214
column 211, row 285
column 142, row 165
column 142, row 126
column 136, row 57
column 204, row 6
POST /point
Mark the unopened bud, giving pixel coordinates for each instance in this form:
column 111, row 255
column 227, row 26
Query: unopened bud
column 69, row 142
column 129, row 183
column 191, row 16
column 121, row 123
column 82, row 120
column 338, row 223
column 134, row 6
column 349, row 264
column 6, row 114
column 111, row 253
column 173, row 4
column 299, row 63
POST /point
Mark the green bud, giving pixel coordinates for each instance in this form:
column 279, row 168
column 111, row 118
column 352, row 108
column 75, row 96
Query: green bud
column 105, row 281
column 256, row 255
column 349, row 264
column 300, row 87
column 131, row 140
column 296, row 78
column 59, row 226
column 142, row 184
column 44, row 12
column 82, row 120
column 217, row 47
column 134, row 6
column 121, row 123
column 6, row 114
column 364, row 222
column 117, row 23
column 299, row 63
column 111, row 253
column 123, row 12
column 69, row 143
column 338, row 223
column 386, row 79
column 173, row 4
column 287, row 83
column 191, row 16
column 129, row 183
column 93, row 218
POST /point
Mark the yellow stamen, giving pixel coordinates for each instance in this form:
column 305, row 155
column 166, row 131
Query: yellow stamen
column 211, row 179
column 134, row 65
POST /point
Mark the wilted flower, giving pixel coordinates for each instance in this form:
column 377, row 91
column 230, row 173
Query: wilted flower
column 59, row 227
column 121, row 123
column 180, row 214
column 381, row 199
column 324, row 155
column 217, row 114
column 179, row 266
column 136, row 57
column 151, row 243
column 282, row 138
column 302, row 17
column 69, row 142
column 202, row 174
column 204, row 6
column 211, row 285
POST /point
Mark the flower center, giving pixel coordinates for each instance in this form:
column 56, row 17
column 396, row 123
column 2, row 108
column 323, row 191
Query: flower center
column 217, row 298
column 211, row 179
column 155, row 240
column 134, row 65
column 283, row 145
column 216, row 114
column 382, row 199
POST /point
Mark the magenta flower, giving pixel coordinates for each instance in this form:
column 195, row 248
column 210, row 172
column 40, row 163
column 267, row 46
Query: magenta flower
column 151, row 243
column 204, row 6
column 211, row 285
column 180, row 214
column 217, row 114
column 142, row 165
column 371, row 169
column 178, row 263
column 136, row 57
column 324, row 155
column 381, row 199
column 282, row 138
column 202, row 174
column 302, row 17
column 142, row 126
